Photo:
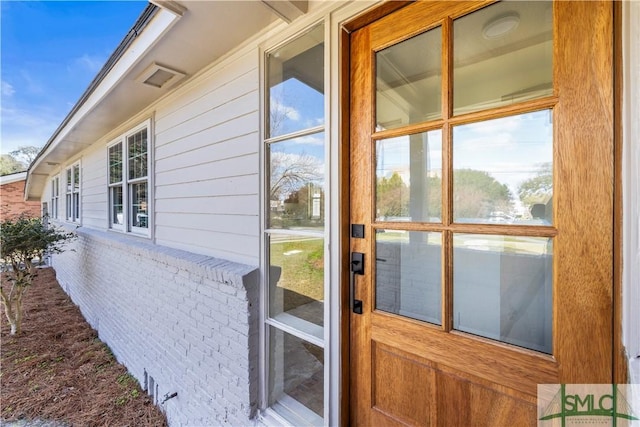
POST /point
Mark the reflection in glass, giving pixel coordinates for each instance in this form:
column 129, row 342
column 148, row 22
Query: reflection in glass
column 296, row 378
column 502, row 55
column 138, row 155
column 139, row 214
column 296, row 84
column 296, row 183
column 502, row 288
column 296, row 277
column 409, row 178
column 117, row 213
column 408, row 274
column 408, row 81
column 115, row 163
column 502, row 170
column 76, row 178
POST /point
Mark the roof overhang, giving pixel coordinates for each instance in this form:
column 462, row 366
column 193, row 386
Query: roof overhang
column 169, row 40
column 13, row 177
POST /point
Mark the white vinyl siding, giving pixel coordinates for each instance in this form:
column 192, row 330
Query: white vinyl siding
column 207, row 163
column 94, row 174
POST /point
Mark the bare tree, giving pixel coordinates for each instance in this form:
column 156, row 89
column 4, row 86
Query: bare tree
column 289, row 172
column 26, row 153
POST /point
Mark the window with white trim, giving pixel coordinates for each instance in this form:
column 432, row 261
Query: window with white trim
column 296, row 337
column 129, row 182
column 72, row 206
column 55, row 196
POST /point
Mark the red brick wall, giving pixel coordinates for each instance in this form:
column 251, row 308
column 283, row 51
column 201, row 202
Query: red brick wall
column 12, row 201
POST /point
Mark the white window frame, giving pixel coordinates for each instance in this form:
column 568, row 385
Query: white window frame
column 55, row 197
column 126, row 183
column 324, row 337
column 72, row 193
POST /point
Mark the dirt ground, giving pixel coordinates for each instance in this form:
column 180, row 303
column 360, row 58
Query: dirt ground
column 58, row 369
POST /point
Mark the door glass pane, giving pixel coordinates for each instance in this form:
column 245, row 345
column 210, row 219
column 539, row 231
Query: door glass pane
column 296, row 183
column 296, row 277
column 296, row 378
column 502, row 55
column 409, row 178
column 296, row 84
column 408, row 81
column 502, row 170
column 408, row 274
column 502, row 288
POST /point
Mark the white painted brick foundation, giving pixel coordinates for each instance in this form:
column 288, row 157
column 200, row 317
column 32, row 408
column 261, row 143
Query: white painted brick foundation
column 188, row 321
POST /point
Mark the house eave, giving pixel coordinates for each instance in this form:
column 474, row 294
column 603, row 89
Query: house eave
column 152, row 23
column 185, row 37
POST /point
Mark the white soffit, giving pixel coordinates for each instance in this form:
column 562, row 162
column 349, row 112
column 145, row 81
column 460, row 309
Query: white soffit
column 288, row 10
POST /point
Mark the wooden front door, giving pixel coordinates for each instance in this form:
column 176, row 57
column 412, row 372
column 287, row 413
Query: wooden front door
column 481, row 172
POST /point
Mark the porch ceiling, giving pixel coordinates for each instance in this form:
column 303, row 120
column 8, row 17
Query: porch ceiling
column 185, row 37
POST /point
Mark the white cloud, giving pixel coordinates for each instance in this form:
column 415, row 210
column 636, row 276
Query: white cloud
column 7, row 89
column 26, row 127
column 282, row 110
column 92, row 63
column 32, row 86
column 310, row 140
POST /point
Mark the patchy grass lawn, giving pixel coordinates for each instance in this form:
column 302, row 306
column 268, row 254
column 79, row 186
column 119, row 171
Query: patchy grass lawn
column 59, row 370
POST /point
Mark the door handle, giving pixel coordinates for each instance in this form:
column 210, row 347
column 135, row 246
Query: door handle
column 357, row 267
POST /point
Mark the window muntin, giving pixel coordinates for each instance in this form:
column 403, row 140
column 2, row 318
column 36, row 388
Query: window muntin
column 498, row 173
column 295, row 234
column 128, row 189
column 72, row 195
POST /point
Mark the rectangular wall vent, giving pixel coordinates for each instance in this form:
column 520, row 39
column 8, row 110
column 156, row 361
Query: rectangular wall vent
column 159, row 76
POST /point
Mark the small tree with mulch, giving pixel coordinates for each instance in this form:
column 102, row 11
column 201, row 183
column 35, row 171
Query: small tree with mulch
column 23, row 243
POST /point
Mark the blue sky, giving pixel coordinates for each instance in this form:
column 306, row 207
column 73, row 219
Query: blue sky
column 50, row 52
